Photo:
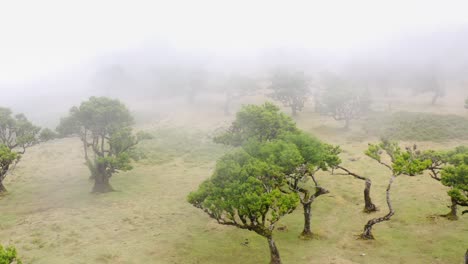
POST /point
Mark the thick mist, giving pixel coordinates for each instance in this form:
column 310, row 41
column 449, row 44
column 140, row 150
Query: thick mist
column 136, row 51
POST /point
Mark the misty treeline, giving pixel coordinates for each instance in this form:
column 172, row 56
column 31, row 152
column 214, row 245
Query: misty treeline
column 289, row 84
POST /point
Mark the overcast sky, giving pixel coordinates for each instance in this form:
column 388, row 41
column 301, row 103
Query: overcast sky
column 41, row 37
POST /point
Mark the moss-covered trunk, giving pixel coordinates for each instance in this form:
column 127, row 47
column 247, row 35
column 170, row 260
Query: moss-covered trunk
column 101, row 180
column 453, row 214
column 306, row 232
column 368, row 205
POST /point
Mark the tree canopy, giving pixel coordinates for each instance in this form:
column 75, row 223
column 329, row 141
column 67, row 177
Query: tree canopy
column 263, row 123
column 17, row 134
column 455, row 175
column 104, row 127
column 245, row 192
column 16, row 131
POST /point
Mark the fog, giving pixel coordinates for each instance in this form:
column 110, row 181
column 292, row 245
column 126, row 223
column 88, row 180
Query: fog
column 54, row 54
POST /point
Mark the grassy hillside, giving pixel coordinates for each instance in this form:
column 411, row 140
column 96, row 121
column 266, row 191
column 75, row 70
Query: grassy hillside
column 52, row 218
column 418, row 126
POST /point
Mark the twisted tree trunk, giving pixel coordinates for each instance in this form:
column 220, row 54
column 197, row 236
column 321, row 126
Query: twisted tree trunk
column 367, row 233
column 306, row 232
column 2, row 188
column 101, row 180
column 368, row 205
column 452, row 215
column 274, row 253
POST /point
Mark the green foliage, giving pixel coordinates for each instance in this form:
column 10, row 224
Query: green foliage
column 342, row 100
column 104, row 126
column 47, row 134
column 279, row 153
column 7, row 158
column 17, row 131
column 262, row 123
column 455, row 175
column 314, row 152
column 8, row 255
column 103, row 115
column 244, row 192
column 17, row 134
column 407, row 161
column 409, row 126
column 290, row 88
column 69, row 125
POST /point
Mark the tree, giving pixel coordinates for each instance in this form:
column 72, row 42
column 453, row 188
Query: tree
column 7, row 158
column 274, row 133
column 290, row 88
column 402, row 162
column 265, row 122
column 450, row 168
column 8, row 255
column 244, row 192
column 342, row 101
column 17, row 134
column 466, row 103
column 455, row 176
column 47, row 134
column 104, row 127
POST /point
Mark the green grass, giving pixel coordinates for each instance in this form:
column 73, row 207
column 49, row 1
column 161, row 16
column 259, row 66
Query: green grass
column 51, row 217
column 417, row 126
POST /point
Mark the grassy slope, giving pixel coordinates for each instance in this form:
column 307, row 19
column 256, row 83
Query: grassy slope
column 52, row 218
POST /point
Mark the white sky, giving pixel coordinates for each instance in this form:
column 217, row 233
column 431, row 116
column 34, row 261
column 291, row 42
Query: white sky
column 40, row 37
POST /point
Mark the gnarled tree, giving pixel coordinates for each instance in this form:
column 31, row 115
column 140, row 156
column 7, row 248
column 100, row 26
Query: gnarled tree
column 271, row 136
column 450, row 168
column 290, row 88
column 343, row 101
column 399, row 162
column 455, row 176
column 104, row 127
column 17, row 134
column 299, row 157
column 244, row 192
